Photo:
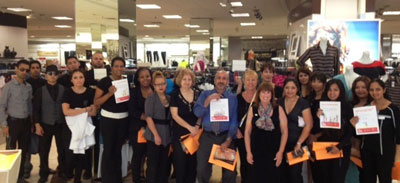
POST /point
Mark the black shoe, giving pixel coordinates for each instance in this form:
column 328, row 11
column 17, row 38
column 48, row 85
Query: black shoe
column 26, row 175
column 51, row 171
column 42, row 180
column 87, row 175
column 21, row 180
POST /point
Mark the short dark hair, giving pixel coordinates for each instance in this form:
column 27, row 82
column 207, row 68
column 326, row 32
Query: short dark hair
column 342, row 95
column 287, row 80
column 268, row 66
column 23, row 61
column 70, row 57
column 35, row 62
column 117, row 59
column 318, row 76
column 136, row 78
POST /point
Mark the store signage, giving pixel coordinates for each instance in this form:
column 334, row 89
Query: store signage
column 47, row 53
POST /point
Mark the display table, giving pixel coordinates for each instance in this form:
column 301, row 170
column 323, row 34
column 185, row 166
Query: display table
column 9, row 166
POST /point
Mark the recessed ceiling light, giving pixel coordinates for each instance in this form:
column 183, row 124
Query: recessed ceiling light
column 236, row 4
column 151, row 25
column 62, row 18
column 391, row 13
column 172, row 16
column 32, row 36
column 68, row 35
column 192, row 26
column 147, row 38
column 126, row 20
column 62, row 26
column 240, row 15
column 148, row 6
column 19, row 9
column 256, row 37
column 222, row 4
column 205, row 30
column 247, row 24
column 206, row 33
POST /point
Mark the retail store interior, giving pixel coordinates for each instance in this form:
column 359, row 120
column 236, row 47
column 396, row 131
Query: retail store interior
column 168, row 34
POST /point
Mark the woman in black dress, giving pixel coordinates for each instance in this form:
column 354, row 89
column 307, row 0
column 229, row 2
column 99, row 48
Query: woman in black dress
column 378, row 151
column 265, row 136
column 137, row 117
column 113, row 121
column 303, row 76
column 318, row 82
column 244, row 99
column 334, row 170
column 76, row 100
column 300, row 123
column 184, row 122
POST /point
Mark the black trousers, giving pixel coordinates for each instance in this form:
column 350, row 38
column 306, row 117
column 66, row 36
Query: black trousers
column 92, row 159
column 244, row 165
column 335, row 170
column 44, row 148
column 148, row 54
column 316, row 171
column 204, row 169
column 157, row 163
column 74, row 163
column 291, row 174
column 375, row 164
column 19, row 132
column 156, row 57
column 164, row 56
column 139, row 153
column 184, row 164
column 114, row 133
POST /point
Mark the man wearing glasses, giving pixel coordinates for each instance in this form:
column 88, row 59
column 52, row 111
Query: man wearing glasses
column 15, row 111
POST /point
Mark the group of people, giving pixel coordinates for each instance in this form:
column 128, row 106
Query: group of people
column 265, row 122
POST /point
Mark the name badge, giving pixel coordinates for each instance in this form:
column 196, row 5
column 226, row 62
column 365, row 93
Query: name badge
column 301, row 122
column 383, row 117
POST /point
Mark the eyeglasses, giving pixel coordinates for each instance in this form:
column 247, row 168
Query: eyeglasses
column 160, row 84
column 54, row 73
column 23, row 70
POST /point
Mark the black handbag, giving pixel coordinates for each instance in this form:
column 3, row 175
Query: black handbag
column 34, row 144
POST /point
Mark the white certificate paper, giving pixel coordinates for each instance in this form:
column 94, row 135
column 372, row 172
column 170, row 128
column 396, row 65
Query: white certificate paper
column 219, row 110
column 330, row 117
column 122, row 93
column 238, row 65
column 368, row 120
column 100, row 73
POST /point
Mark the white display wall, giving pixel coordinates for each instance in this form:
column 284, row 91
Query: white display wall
column 14, row 37
column 174, row 51
column 50, row 52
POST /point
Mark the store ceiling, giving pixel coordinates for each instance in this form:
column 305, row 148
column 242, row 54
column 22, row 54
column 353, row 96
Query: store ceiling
column 274, row 13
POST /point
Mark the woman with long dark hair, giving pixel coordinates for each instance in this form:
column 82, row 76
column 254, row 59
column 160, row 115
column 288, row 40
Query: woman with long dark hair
column 265, row 136
column 113, row 122
column 334, row 170
column 300, row 124
column 303, row 76
column 139, row 94
column 378, row 151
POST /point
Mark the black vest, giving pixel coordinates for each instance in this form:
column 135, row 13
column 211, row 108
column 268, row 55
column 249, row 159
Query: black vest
column 52, row 110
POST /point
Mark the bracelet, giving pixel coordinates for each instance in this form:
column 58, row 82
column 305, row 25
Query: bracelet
column 298, row 143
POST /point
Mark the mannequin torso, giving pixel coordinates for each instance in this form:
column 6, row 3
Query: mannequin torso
column 323, row 45
column 365, row 58
column 349, row 76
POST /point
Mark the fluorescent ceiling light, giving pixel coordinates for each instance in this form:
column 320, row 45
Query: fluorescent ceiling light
column 391, row 13
column 205, row 30
column 240, row 15
column 236, row 4
column 247, row 24
column 126, row 20
column 172, row 16
column 147, row 38
column 62, row 26
column 32, row 36
column 222, row 4
column 62, row 18
column 192, row 26
column 206, row 33
column 19, row 9
column 148, row 6
column 256, row 37
column 151, row 25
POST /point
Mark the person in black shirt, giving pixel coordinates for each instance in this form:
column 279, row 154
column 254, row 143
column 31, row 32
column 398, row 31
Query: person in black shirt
column 244, row 99
column 48, row 119
column 97, row 63
column 77, row 100
column 334, row 170
column 114, row 123
column 36, row 82
column 300, row 124
column 72, row 65
column 137, row 120
column 378, row 151
column 268, row 72
column 318, row 81
column 303, row 77
column 185, row 122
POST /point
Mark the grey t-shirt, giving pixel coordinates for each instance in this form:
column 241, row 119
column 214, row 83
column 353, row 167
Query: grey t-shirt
column 155, row 109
